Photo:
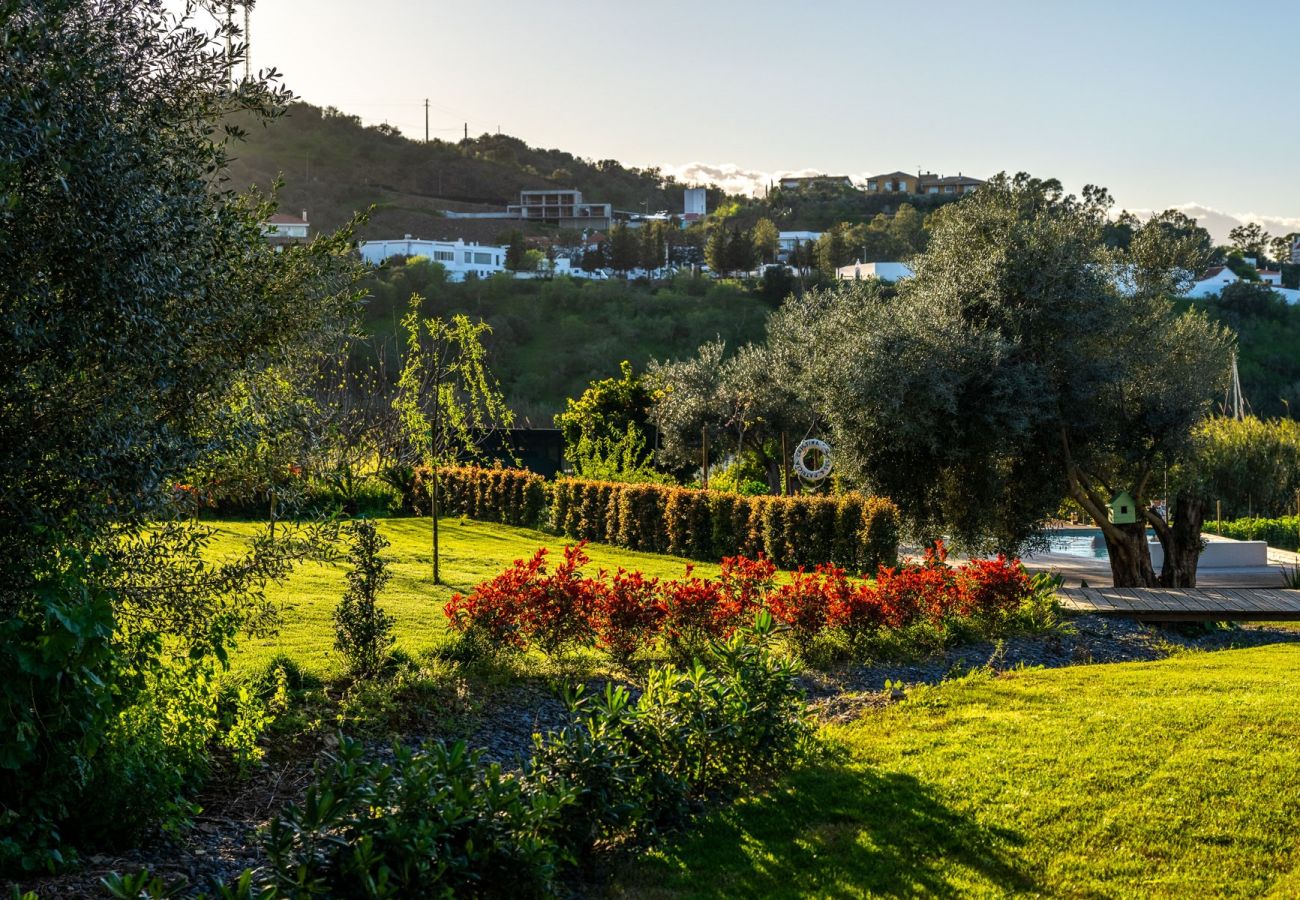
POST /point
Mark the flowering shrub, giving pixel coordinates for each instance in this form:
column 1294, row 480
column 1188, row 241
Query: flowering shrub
column 527, row 606
column 626, row 614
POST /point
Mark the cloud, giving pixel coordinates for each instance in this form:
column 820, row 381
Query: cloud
column 1218, row 223
column 736, row 179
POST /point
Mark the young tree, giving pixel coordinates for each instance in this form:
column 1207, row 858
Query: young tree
column 833, row 250
column 363, row 632
column 1251, row 240
column 449, row 401
column 767, row 240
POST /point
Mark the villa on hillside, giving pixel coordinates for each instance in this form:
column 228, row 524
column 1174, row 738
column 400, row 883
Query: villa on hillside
column 549, row 206
column 921, row 183
column 281, row 229
column 457, row 257
column 799, row 183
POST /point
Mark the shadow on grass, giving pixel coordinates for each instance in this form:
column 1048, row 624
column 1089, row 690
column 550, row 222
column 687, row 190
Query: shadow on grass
column 832, row 831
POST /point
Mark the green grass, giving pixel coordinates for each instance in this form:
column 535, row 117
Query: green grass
column 470, row 552
column 1177, row 778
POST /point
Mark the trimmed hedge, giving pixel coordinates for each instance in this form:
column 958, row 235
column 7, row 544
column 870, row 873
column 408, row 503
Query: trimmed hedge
column 508, row 496
column 1282, row 533
column 852, row 531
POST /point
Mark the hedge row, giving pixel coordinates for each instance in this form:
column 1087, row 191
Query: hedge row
column 509, row 496
column 1282, row 533
column 852, row 531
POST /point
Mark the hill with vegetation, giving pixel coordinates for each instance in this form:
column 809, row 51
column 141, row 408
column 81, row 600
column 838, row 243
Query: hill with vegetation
column 332, row 166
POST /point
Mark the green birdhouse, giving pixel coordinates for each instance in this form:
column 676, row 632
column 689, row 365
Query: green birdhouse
column 1123, row 509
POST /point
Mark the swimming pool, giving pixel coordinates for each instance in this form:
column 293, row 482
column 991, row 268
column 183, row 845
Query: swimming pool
column 1086, row 543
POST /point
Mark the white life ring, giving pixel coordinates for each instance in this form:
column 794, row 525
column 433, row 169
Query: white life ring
column 801, row 455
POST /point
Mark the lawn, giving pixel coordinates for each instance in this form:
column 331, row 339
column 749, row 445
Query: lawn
column 1177, row 778
column 471, row 552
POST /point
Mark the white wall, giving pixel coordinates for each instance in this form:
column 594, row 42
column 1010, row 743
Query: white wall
column 457, row 257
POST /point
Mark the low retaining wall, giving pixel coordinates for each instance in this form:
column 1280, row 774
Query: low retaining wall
column 1222, row 555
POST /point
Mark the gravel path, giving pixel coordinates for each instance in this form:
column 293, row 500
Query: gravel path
column 223, row 841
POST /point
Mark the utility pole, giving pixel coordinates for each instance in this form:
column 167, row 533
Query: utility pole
column 466, row 131
column 248, row 45
column 426, row 120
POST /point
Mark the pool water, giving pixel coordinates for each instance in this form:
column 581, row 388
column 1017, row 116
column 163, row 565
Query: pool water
column 1086, row 543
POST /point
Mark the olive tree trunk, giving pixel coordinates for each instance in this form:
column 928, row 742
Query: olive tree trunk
column 1130, row 556
column 1181, row 541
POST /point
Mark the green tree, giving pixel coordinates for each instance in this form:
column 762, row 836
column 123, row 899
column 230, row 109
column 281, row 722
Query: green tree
column 907, row 229
column 1011, row 371
column 1166, row 253
column 624, row 248
column 449, row 401
column 833, row 250
column 516, row 252
column 767, row 240
column 138, row 295
column 1251, row 240
column 363, row 631
column 605, row 410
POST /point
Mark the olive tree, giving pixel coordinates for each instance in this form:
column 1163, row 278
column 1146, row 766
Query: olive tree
column 1021, row 364
column 136, row 293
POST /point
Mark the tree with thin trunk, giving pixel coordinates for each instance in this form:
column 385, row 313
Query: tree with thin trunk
column 449, row 401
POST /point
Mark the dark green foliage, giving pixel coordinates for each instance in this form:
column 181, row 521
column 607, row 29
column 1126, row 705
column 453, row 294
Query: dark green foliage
column 448, row 825
column 1282, row 532
column 508, row 496
column 711, row 728
column 363, row 631
column 551, row 339
column 1250, row 466
column 1268, row 333
column 139, row 297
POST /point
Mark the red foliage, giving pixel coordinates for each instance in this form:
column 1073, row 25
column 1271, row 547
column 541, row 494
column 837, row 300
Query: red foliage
column 693, row 611
column 744, row 585
column 626, row 613
column 992, row 586
column 807, row 602
column 493, row 609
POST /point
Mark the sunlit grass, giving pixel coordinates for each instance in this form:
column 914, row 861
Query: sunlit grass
column 470, row 552
column 1176, row 778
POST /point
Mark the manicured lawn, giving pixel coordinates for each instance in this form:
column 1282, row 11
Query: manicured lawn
column 471, row 552
column 1178, row 778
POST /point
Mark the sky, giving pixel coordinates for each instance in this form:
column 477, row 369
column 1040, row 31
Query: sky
column 1168, row 103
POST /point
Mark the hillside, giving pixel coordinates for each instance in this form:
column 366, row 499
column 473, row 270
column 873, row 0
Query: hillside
column 332, row 165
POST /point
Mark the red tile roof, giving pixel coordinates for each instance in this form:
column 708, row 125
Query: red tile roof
column 1211, row 272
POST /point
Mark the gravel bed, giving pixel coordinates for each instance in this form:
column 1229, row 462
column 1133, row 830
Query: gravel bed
column 223, row 841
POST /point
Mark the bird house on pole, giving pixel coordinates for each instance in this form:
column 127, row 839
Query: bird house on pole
column 1123, row 509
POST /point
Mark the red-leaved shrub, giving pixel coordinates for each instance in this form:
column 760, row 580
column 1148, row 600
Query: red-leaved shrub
column 992, row 587
column 626, row 614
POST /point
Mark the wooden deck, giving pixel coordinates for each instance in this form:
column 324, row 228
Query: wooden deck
column 1185, row 605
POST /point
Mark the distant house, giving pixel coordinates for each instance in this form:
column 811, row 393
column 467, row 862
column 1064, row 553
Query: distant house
column 788, row 240
column 1212, row 281
column 921, row 183
column 893, row 183
column 799, row 183
column 1271, row 276
column 885, row 271
column 1216, row 278
column 550, row 206
column 1295, row 251
column 281, row 229
column 457, row 257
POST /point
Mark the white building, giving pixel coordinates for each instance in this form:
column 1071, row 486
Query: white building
column 1295, row 251
column 1216, row 278
column 885, row 271
column 788, row 240
column 1270, row 276
column 457, row 257
column 281, row 229
column 695, row 204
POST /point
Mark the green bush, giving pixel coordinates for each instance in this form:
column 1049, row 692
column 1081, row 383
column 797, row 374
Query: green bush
column 363, row 631
column 1252, row 466
column 509, row 496
column 1282, row 533
column 434, row 823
